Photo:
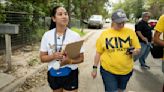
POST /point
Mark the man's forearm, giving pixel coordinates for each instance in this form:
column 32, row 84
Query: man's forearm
column 141, row 36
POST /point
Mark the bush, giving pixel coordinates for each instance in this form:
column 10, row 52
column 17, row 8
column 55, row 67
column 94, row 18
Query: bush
column 37, row 34
column 2, row 16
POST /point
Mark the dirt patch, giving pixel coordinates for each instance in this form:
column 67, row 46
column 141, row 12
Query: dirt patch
column 37, row 80
column 22, row 61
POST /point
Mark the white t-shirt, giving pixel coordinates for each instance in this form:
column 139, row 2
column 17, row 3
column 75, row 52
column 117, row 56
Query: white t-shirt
column 47, row 44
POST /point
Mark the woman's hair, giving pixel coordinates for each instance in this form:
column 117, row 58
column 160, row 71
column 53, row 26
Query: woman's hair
column 53, row 13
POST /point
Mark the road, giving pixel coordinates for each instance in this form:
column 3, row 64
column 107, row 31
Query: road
column 141, row 80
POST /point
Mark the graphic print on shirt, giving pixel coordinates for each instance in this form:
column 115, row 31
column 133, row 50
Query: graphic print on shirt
column 117, row 43
column 52, row 48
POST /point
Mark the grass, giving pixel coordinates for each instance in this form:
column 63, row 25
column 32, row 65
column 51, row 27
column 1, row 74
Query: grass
column 78, row 31
column 33, row 62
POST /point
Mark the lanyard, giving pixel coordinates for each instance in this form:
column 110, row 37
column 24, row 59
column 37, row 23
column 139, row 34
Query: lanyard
column 55, row 41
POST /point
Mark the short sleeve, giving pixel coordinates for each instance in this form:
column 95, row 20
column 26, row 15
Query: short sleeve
column 138, row 26
column 99, row 47
column 43, row 46
column 159, row 26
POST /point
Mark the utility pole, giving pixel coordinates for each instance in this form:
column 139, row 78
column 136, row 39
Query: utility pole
column 7, row 30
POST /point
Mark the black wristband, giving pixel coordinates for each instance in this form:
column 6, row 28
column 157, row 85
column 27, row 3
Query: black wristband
column 94, row 67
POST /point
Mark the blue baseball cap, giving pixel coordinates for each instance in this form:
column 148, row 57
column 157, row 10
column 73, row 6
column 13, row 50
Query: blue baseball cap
column 119, row 16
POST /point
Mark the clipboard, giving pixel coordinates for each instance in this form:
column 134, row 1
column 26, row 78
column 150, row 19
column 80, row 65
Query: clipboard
column 73, row 49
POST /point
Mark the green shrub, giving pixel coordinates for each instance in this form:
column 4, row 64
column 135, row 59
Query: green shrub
column 33, row 62
column 2, row 16
column 37, row 34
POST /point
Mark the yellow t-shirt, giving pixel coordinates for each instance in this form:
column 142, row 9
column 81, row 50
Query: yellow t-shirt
column 160, row 25
column 112, row 45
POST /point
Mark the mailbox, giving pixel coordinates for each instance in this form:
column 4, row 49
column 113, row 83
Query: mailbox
column 9, row 29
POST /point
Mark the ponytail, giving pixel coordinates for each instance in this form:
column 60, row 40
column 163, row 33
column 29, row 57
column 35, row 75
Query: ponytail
column 52, row 25
column 53, row 12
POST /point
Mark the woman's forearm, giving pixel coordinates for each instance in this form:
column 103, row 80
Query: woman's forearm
column 96, row 59
column 46, row 58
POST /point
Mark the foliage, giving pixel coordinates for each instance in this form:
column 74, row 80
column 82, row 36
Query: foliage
column 134, row 8
column 32, row 12
column 94, row 7
column 30, row 6
column 33, row 62
column 20, row 6
column 2, row 16
column 37, row 34
column 156, row 7
column 78, row 8
column 38, row 9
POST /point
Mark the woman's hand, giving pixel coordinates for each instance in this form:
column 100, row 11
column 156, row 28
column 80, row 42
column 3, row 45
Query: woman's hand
column 135, row 52
column 65, row 60
column 57, row 55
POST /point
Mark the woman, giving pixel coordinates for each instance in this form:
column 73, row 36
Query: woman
column 62, row 70
column 114, row 49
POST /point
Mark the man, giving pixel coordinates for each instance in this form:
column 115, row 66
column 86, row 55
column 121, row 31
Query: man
column 143, row 31
column 159, row 29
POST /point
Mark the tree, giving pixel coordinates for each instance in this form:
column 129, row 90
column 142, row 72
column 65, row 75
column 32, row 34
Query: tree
column 156, row 7
column 136, row 7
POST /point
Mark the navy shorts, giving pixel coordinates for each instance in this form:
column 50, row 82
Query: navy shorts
column 113, row 82
column 69, row 82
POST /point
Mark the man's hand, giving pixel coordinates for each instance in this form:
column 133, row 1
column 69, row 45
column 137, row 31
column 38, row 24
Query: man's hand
column 145, row 39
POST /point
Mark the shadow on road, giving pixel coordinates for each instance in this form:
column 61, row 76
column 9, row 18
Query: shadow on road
column 147, row 81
